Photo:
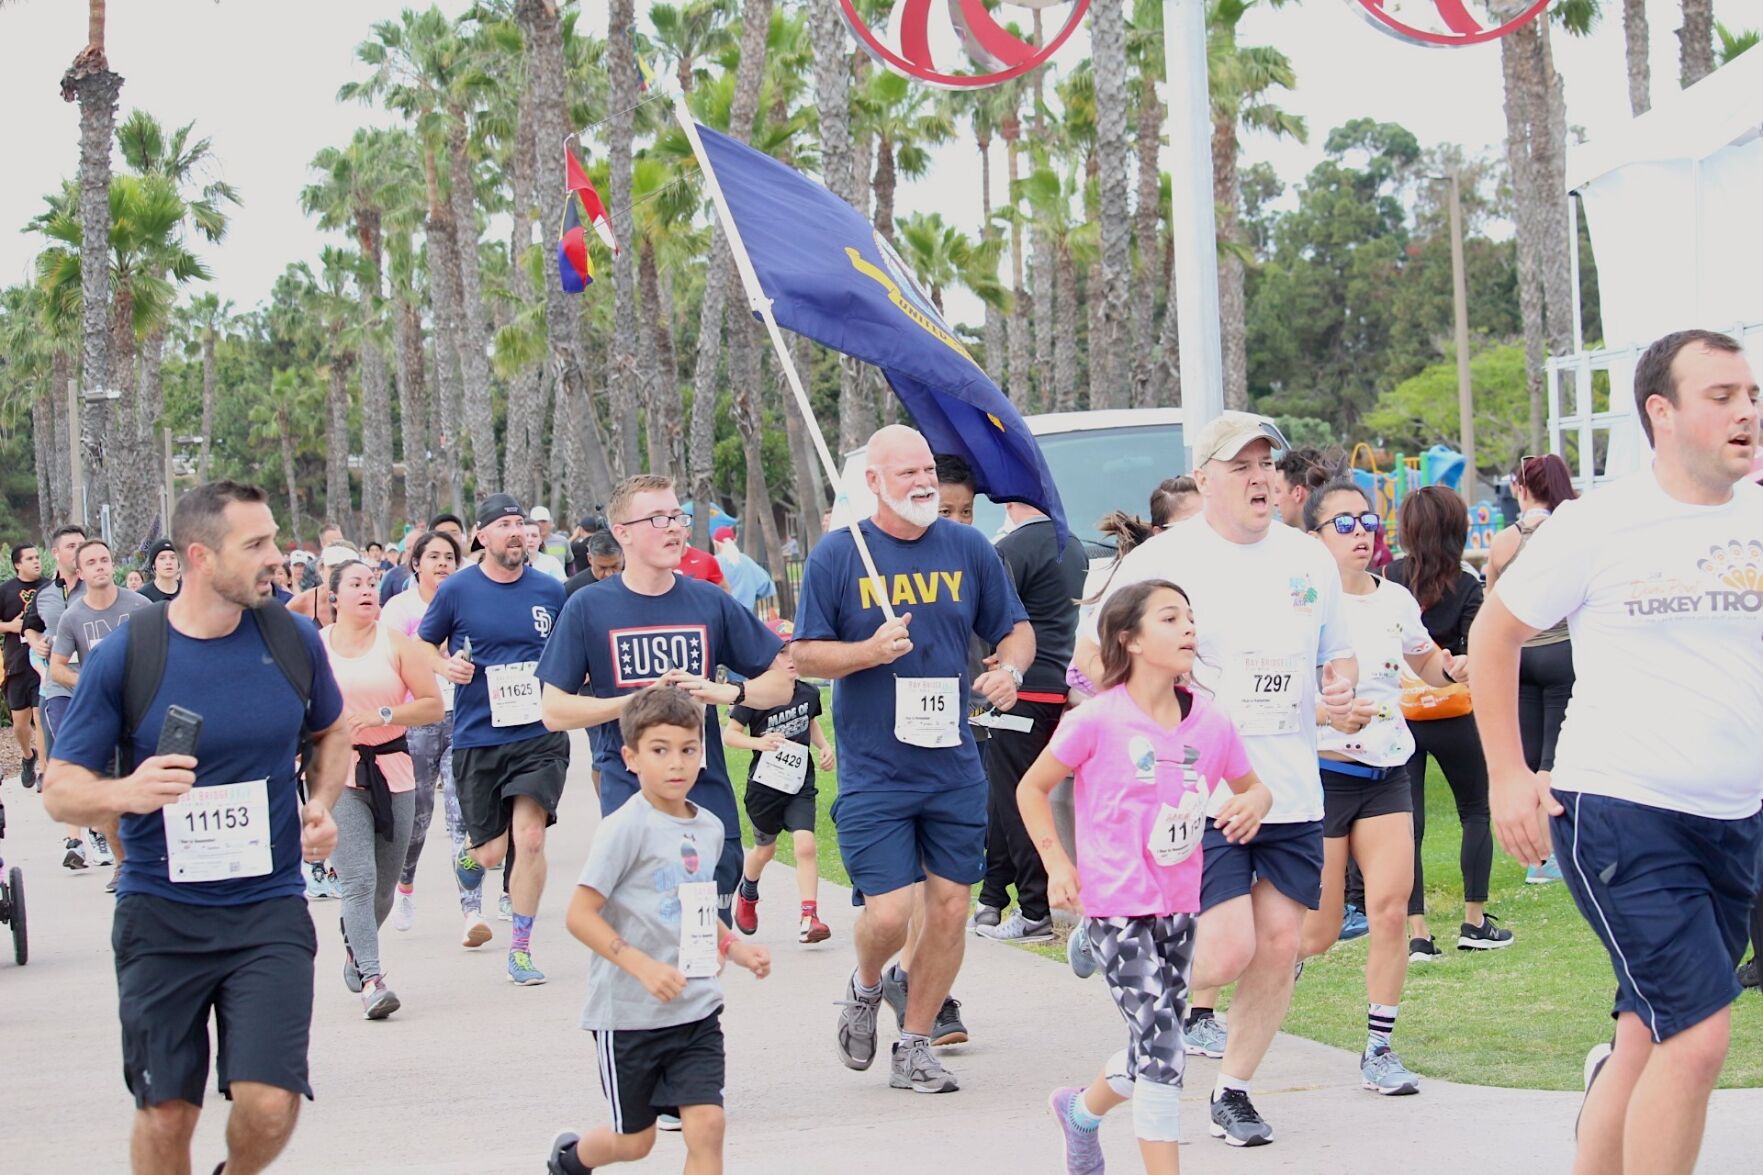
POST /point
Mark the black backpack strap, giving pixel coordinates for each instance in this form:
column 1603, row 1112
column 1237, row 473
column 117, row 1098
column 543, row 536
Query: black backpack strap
column 143, row 668
column 281, row 633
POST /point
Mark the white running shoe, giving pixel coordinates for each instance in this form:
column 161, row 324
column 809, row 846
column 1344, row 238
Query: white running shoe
column 477, row 932
column 404, row 910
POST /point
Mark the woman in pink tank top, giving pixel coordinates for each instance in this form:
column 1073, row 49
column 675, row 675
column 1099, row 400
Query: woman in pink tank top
column 388, row 685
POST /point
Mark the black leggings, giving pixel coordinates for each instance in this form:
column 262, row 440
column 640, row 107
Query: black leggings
column 1454, row 743
column 1545, row 685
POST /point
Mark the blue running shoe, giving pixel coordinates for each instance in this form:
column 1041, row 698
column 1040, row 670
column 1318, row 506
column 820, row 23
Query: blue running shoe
column 1353, row 923
column 521, row 970
column 1549, row 870
column 467, row 871
column 1078, row 953
column 1382, row 1072
column 1205, row 1037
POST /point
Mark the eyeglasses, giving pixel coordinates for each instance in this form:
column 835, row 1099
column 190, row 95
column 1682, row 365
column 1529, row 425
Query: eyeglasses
column 663, row 521
column 1344, row 523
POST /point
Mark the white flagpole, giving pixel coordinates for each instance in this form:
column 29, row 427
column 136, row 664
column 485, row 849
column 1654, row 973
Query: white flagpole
column 761, row 305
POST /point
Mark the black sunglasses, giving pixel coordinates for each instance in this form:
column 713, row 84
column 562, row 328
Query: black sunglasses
column 1343, row 523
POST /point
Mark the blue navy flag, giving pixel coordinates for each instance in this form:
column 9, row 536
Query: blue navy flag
column 835, row 279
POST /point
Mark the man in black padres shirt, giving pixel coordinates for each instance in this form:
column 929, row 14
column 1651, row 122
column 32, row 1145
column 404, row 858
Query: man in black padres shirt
column 1049, row 582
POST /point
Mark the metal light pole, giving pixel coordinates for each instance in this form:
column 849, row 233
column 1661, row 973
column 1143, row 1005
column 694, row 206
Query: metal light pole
column 1460, row 311
column 1193, row 216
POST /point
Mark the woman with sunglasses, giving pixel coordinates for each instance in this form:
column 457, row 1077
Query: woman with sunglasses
column 1363, row 758
column 1545, row 666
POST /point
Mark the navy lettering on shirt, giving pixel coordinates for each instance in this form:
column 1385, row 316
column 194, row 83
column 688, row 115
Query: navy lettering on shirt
column 953, row 582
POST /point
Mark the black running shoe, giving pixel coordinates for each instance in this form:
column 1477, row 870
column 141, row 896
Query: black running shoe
column 1234, row 1119
column 1750, row 974
column 948, row 1028
column 1486, row 937
column 27, row 773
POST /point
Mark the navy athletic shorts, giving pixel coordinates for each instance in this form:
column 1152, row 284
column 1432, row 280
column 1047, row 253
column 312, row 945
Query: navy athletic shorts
column 1670, row 897
column 891, row 839
column 1288, row 856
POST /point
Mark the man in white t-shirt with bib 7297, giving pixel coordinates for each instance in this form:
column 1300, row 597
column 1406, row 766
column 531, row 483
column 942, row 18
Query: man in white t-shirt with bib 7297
column 1653, row 803
column 1267, row 607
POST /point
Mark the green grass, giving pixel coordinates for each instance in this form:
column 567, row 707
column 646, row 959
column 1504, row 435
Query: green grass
column 1521, row 1017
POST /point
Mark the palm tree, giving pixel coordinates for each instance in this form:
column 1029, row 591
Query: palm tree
column 331, row 302
column 1240, row 77
column 1073, row 245
column 1110, row 353
column 282, row 417
column 1144, row 48
column 1695, row 41
column 1732, row 44
column 832, row 101
column 356, row 184
column 209, row 315
column 1637, row 41
column 941, row 255
column 1019, row 328
column 906, row 122
column 90, row 82
column 690, row 34
column 621, row 68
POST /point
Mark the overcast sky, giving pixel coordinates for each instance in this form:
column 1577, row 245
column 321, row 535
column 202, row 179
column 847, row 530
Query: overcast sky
column 261, row 79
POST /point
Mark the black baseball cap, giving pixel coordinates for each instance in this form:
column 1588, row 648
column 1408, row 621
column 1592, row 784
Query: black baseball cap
column 498, row 506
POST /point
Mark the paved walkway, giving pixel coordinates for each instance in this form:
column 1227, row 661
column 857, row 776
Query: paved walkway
column 473, row 1075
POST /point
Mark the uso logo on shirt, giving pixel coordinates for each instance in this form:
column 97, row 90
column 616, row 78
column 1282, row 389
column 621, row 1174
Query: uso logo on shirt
column 641, row 655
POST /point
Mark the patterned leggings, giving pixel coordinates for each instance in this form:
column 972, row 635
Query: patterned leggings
column 431, row 753
column 1147, row 962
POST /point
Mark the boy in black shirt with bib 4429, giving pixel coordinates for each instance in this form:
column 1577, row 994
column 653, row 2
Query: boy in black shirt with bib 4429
column 781, row 793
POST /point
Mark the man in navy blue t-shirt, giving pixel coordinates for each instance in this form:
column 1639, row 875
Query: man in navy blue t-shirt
column 222, row 830
column 912, row 792
column 508, row 769
column 648, row 625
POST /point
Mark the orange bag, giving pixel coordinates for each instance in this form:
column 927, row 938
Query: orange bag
column 1429, row 703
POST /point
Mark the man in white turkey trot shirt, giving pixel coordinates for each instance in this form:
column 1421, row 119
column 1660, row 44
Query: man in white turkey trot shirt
column 1653, row 803
column 1267, row 604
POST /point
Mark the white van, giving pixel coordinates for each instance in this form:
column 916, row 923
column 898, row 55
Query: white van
column 1101, row 461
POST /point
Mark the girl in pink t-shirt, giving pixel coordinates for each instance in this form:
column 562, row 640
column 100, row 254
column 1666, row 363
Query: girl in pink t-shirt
column 1146, row 752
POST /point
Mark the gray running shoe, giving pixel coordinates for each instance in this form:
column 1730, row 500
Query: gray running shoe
column 894, row 992
column 856, row 1031
column 1486, row 937
column 917, row 1068
column 1383, row 1072
column 984, row 915
column 668, row 1122
column 378, row 1001
column 1016, row 928
column 1205, row 1037
column 564, row 1141
column 1078, row 953
column 1234, row 1119
column 1083, row 1149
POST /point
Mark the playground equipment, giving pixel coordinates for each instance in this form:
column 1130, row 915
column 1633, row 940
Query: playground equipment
column 1439, row 465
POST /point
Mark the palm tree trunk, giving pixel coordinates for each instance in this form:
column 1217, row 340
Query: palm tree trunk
column 376, row 426
column 810, row 486
column 90, row 82
column 578, row 463
column 443, row 258
column 1065, row 352
column 624, row 376
column 1695, row 42
column 1637, row 41
column 1551, row 159
column 1110, row 354
column 1021, row 332
column 886, row 180
column 337, row 506
column 474, row 339
column 1145, row 217
column 1233, row 331
column 413, row 414
column 997, row 344
column 520, row 474
column 658, row 383
column 1524, row 102
column 1166, row 376
column 1042, row 278
column 43, row 446
column 832, row 93
column 285, row 429
column 209, row 391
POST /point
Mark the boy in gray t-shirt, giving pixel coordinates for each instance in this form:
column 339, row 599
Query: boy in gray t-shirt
column 646, row 904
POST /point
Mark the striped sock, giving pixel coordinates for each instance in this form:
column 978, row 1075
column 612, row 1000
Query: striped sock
column 1380, row 1023
column 523, row 933
column 750, row 889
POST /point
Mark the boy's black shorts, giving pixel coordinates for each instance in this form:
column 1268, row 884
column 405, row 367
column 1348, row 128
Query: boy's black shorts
column 649, row 1071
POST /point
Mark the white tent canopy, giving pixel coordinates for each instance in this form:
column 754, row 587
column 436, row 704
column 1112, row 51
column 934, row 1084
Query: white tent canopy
column 1672, row 204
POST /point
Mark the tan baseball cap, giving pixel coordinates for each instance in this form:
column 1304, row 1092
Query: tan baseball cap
column 1229, row 433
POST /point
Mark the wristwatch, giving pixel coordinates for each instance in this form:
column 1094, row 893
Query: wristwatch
column 385, row 716
column 740, row 693
column 1015, row 674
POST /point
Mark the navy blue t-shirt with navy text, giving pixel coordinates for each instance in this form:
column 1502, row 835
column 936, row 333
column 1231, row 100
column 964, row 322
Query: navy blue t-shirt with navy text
column 616, row 641
column 953, row 583
column 508, row 624
column 251, row 720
